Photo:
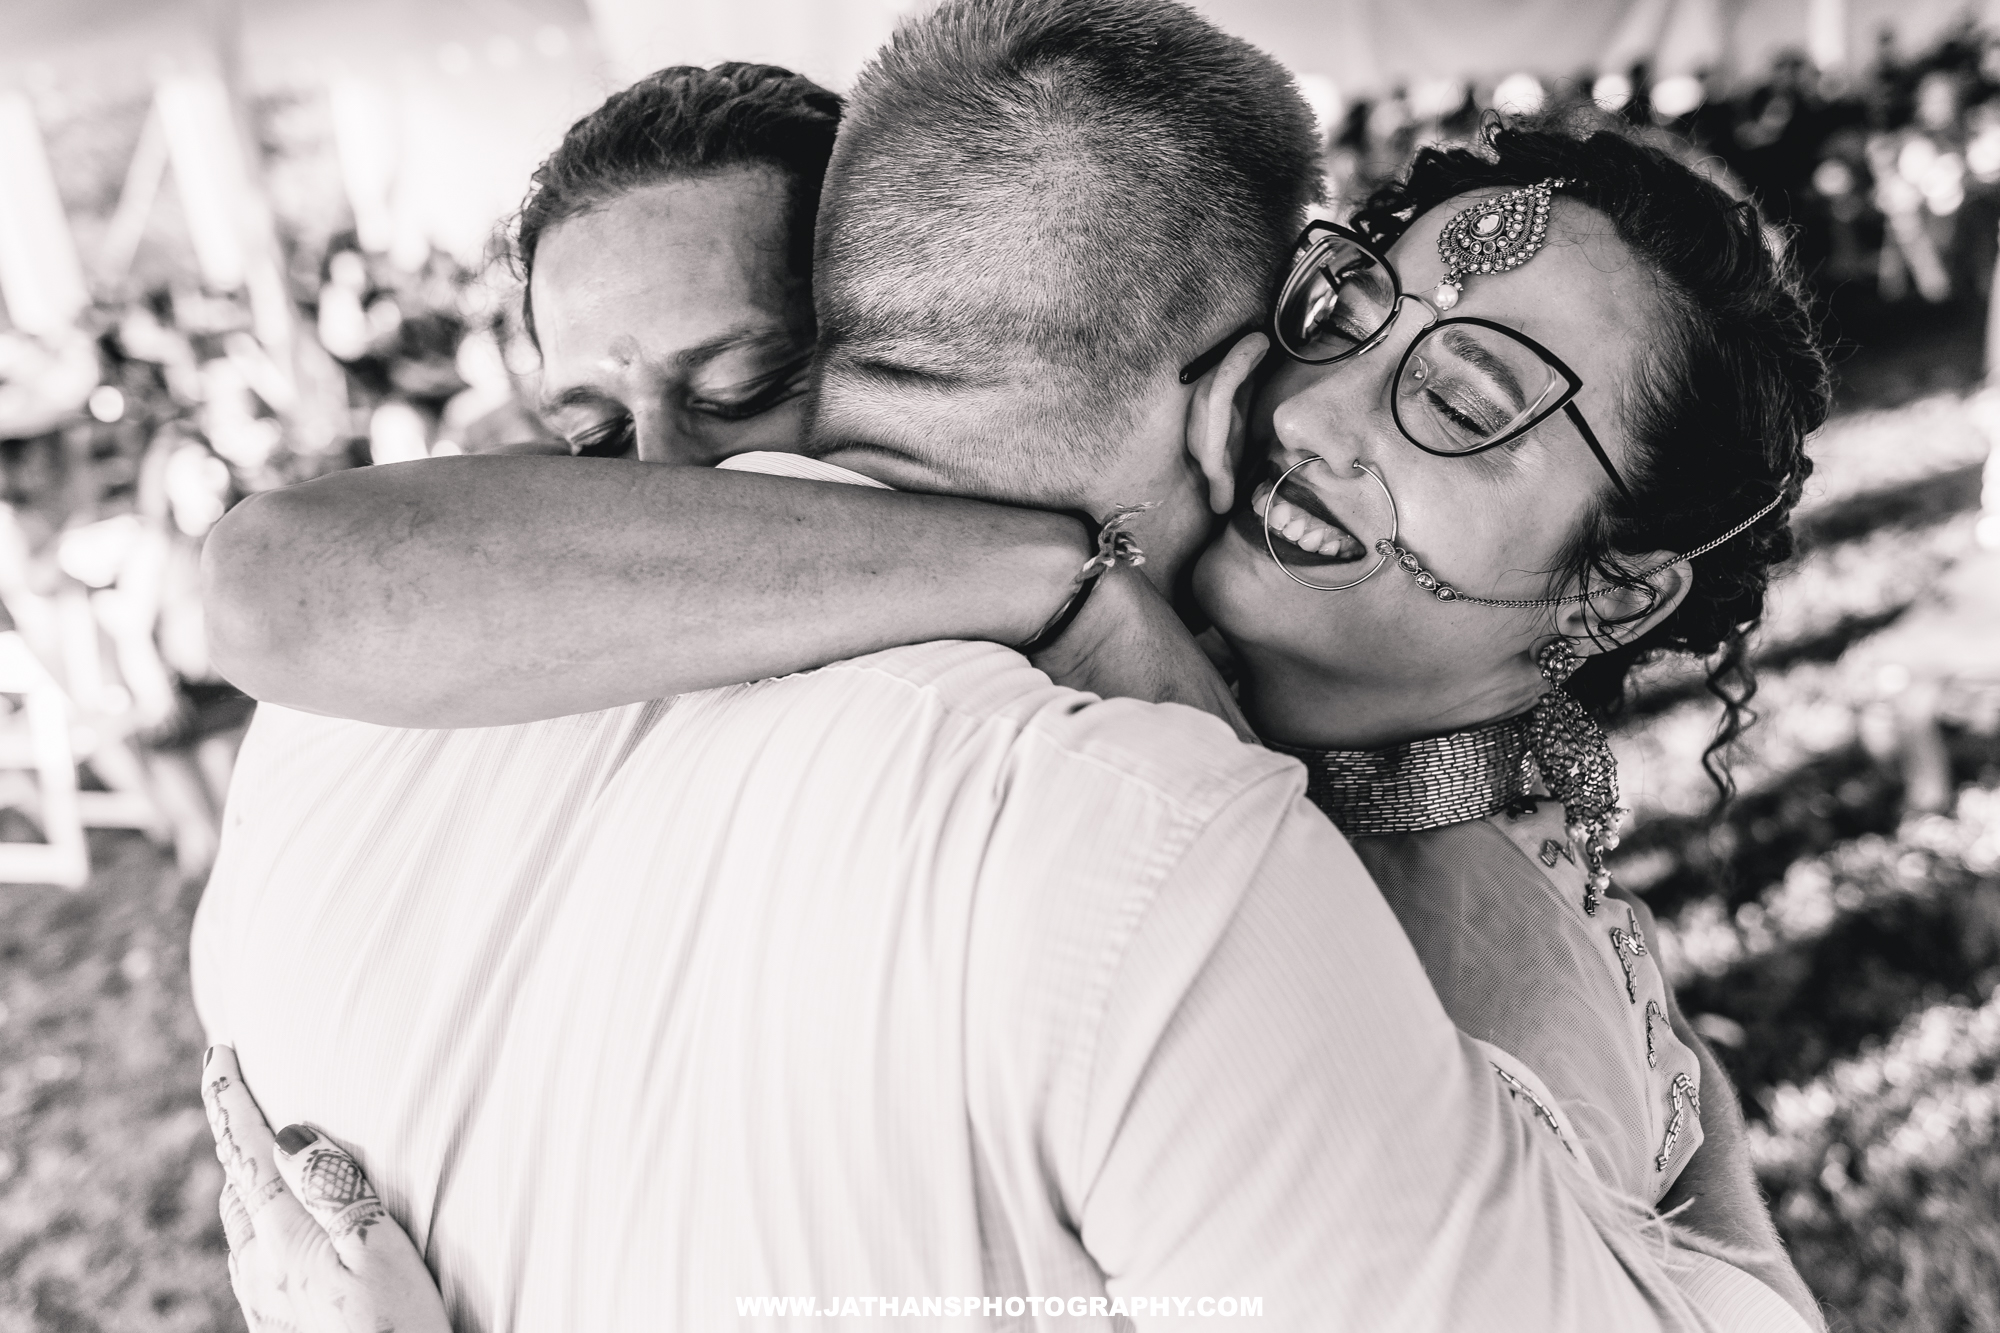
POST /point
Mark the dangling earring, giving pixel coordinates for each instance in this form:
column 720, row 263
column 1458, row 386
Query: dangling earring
column 1576, row 763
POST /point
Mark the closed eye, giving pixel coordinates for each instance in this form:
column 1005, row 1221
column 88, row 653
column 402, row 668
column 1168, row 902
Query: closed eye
column 1445, row 408
column 757, row 396
column 614, row 438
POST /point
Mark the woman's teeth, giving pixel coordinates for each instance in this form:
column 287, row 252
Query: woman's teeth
column 1296, row 526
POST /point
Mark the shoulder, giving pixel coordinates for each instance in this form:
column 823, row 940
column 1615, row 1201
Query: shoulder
column 1540, row 834
column 1177, row 754
column 296, row 767
column 277, row 733
column 1089, row 816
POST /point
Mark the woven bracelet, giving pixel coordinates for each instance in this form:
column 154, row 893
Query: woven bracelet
column 1115, row 545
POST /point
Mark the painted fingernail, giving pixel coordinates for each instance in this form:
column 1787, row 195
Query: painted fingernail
column 206, row 1056
column 293, row 1138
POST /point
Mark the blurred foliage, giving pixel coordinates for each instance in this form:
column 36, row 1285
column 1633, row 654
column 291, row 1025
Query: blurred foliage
column 1847, row 944
column 1884, row 1174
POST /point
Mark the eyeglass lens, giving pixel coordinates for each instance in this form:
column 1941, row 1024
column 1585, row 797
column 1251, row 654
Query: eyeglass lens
column 1462, row 388
column 1465, row 387
column 1337, row 297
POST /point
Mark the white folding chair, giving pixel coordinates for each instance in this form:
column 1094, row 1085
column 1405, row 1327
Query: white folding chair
column 38, row 773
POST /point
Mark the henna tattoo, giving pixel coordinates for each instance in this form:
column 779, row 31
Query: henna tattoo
column 332, row 1180
column 269, row 1323
column 234, row 1158
column 357, row 1220
column 237, row 1229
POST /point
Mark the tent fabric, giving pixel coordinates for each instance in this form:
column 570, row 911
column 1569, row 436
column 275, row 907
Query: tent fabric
column 1362, row 45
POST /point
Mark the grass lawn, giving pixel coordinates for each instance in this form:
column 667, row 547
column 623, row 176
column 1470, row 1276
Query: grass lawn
column 108, row 1179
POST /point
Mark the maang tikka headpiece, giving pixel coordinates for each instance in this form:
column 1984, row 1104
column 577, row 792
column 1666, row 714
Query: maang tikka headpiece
column 1492, row 237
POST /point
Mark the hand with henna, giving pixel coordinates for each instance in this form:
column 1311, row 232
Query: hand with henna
column 311, row 1249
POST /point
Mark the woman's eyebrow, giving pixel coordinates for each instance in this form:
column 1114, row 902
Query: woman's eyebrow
column 1470, row 349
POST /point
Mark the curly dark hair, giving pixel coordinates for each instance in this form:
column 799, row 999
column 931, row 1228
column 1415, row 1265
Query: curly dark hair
column 684, row 122
column 1719, row 413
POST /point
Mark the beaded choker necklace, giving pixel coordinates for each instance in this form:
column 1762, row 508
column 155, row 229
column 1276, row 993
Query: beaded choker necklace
column 1425, row 784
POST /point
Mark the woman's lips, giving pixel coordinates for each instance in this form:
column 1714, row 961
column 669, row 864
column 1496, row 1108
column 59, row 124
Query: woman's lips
column 1303, row 530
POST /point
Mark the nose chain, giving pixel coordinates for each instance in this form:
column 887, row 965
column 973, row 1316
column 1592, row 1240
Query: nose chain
column 1444, row 592
column 1388, row 548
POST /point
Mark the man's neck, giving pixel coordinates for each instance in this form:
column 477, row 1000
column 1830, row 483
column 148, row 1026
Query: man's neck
column 889, row 466
column 1148, row 465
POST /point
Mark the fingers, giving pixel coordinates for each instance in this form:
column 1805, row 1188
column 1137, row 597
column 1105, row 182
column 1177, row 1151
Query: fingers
column 243, row 1142
column 288, row 1244
column 266, row 1305
column 333, row 1189
column 311, row 1245
column 237, row 1229
column 239, row 1234
column 375, row 1254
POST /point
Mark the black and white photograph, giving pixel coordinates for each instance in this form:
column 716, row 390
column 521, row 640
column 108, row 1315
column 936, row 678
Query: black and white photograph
column 1052, row 665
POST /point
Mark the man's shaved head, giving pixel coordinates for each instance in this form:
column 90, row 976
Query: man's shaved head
column 1037, row 210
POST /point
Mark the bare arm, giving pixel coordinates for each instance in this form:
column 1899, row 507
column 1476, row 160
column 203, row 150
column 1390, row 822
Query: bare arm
column 483, row 591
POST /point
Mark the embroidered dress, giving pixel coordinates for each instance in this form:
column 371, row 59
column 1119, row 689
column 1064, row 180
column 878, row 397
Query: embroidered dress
column 1480, row 872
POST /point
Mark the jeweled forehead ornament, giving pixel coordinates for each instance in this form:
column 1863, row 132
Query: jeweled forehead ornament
column 1493, row 236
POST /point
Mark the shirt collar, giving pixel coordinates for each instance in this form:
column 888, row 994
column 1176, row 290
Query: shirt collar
column 799, row 466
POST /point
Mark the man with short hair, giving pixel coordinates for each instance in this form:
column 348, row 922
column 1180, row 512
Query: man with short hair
column 1025, row 239
column 916, row 976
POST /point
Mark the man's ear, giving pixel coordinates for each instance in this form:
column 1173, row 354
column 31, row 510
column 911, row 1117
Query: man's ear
column 1620, row 614
column 1217, row 415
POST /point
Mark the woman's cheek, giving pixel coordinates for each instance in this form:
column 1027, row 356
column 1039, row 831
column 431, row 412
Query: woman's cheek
column 1458, row 530
column 1246, row 607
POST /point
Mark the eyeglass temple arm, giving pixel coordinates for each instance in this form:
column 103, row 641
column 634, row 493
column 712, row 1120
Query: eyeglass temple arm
column 1212, row 358
column 1575, row 416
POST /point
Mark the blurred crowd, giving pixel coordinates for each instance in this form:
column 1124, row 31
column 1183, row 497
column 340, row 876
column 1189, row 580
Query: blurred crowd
column 1889, row 178
column 434, row 355
column 122, row 446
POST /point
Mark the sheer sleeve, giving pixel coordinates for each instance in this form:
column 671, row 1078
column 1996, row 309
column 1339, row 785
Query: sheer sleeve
column 1575, row 996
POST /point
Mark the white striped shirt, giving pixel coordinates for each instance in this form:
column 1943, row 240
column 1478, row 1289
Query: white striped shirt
column 914, row 976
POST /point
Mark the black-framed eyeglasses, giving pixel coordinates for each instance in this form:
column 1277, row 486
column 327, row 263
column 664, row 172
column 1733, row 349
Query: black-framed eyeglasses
column 1464, row 386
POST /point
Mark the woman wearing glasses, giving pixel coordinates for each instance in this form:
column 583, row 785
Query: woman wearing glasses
column 1536, row 416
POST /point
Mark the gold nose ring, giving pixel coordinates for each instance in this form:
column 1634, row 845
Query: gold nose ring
column 1395, row 527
